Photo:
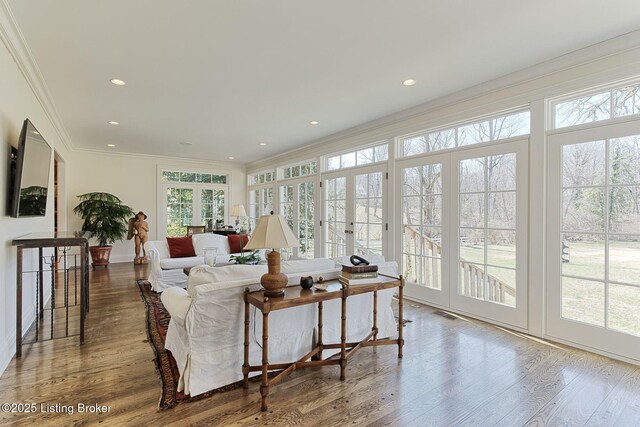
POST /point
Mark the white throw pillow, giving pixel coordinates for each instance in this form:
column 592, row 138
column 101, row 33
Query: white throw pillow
column 209, row 240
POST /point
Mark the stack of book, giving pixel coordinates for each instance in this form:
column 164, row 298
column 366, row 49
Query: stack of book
column 359, row 275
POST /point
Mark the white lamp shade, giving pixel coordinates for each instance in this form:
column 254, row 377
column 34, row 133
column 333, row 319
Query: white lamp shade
column 238, row 211
column 272, row 231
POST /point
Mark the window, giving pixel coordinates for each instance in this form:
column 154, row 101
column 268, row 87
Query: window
column 298, row 170
column 260, row 203
column 191, row 198
column 600, row 233
column 605, row 105
column 378, row 153
column 297, row 205
column 204, row 178
column 422, row 227
column 262, row 178
column 477, row 132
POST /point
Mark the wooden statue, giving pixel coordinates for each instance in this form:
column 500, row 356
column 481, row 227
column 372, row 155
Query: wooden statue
column 139, row 230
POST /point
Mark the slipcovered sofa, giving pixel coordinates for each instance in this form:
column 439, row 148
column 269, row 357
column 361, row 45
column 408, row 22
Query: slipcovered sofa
column 166, row 272
column 205, row 333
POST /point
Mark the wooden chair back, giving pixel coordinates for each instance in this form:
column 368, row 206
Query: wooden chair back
column 195, row 229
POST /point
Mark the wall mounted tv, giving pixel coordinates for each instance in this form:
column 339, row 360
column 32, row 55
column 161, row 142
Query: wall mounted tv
column 29, row 183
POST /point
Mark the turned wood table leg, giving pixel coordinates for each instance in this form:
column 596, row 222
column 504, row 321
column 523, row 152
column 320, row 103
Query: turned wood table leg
column 375, row 315
column 343, row 337
column 245, row 366
column 264, row 387
column 318, row 356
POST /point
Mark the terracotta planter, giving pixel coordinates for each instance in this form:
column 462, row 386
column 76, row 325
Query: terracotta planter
column 100, row 256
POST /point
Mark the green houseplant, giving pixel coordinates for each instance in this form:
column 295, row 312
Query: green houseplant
column 252, row 258
column 105, row 218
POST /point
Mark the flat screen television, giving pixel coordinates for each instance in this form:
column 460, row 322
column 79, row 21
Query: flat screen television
column 29, row 183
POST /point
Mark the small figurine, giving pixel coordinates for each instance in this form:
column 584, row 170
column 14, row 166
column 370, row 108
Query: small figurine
column 139, row 229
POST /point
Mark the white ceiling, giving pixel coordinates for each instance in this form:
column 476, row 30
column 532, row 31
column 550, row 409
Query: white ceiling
column 226, row 75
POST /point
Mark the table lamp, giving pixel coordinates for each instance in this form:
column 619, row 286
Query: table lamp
column 273, row 232
column 239, row 212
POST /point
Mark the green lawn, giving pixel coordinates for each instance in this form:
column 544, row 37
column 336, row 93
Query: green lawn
column 583, row 300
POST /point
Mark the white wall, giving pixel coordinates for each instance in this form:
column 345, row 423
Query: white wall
column 133, row 178
column 18, row 102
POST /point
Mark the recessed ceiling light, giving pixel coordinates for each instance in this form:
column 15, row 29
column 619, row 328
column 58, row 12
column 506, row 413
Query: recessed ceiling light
column 113, row 123
column 118, row 82
column 111, row 145
column 409, row 82
column 263, row 144
column 314, row 122
column 35, row 132
column 231, row 157
column 185, row 143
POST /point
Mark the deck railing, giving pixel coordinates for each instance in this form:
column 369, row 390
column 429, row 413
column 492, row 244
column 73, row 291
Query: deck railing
column 473, row 277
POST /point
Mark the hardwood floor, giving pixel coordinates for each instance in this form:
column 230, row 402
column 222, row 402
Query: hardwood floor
column 455, row 372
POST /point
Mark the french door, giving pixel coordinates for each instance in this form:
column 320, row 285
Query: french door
column 489, row 232
column 464, row 230
column 261, row 202
column 423, row 213
column 354, row 211
column 296, row 203
column 593, row 238
column 192, row 204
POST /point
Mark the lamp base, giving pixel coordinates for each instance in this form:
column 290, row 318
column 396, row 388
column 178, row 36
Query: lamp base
column 274, row 282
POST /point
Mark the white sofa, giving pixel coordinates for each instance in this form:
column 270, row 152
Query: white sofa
column 166, row 272
column 205, row 334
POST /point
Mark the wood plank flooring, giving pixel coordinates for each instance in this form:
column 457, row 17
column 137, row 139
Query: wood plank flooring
column 457, row 372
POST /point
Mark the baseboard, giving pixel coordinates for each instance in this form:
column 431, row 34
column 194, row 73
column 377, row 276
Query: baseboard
column 7, row 352
column 470, row 315
column 116, row 259
column 593, row 350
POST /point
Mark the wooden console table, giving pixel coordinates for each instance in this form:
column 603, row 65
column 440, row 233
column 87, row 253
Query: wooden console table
column 52, row 240
column 295, row 296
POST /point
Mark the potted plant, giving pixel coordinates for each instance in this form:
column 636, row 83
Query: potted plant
column 252, row 258
column 105, row 218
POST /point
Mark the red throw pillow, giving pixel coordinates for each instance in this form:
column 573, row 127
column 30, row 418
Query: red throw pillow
column 181, row 247
column 237, row 242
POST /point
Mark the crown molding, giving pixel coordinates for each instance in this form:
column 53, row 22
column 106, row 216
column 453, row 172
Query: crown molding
column 16, row 44
column 379, row 129
column 160, row 159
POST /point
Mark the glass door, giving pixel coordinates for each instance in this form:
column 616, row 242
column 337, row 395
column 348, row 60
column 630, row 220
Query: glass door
column 423, row 212
column 593, row 237
column 260, row 203
column 489, row 253
column 192, row 204
column 296, row 201
column 179, row 212
column 354, row 212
